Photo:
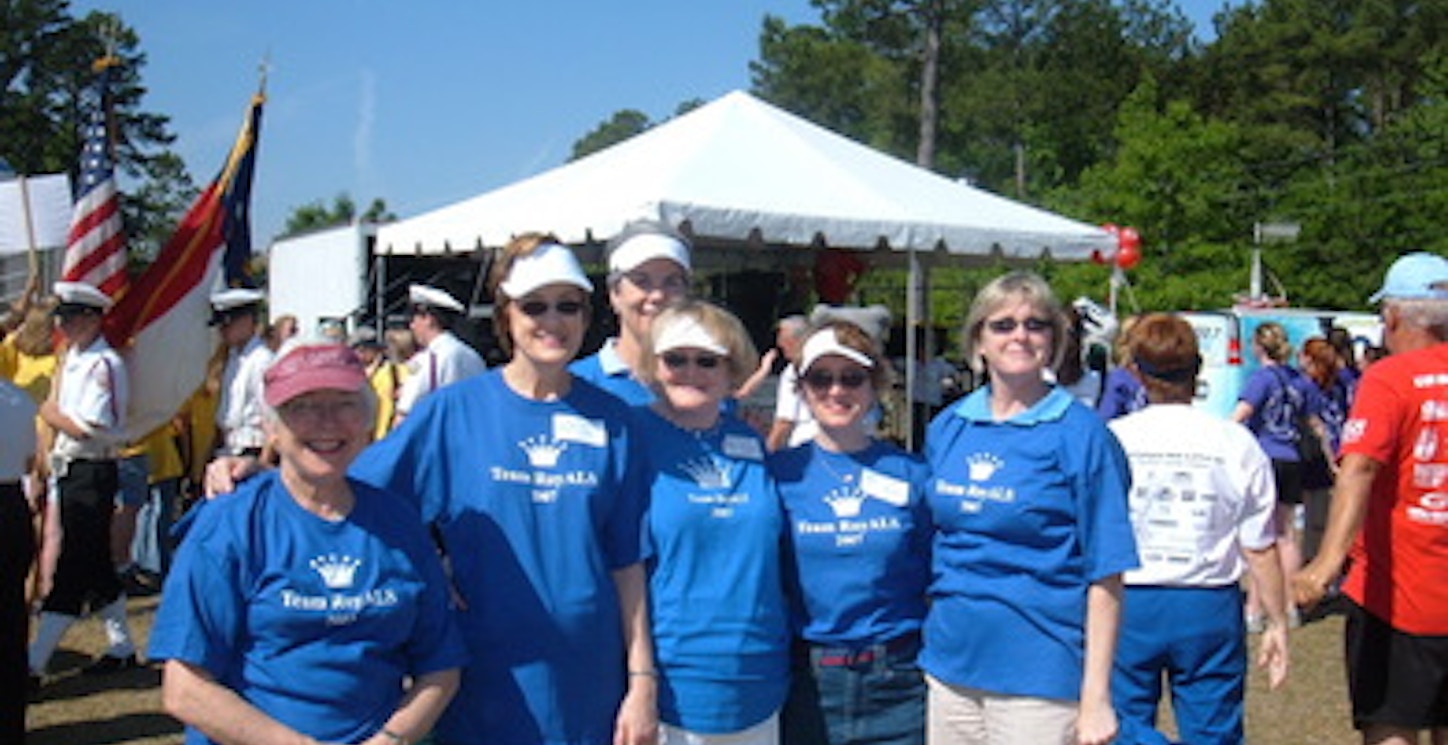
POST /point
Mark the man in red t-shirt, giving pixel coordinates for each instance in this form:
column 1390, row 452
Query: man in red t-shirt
column 1390, row 516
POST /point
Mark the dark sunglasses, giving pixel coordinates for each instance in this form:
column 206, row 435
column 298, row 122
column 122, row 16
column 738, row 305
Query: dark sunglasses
column 820, row 381
column 670, row 283
column 1007, row 325
column 535, row 308
column 677, row 360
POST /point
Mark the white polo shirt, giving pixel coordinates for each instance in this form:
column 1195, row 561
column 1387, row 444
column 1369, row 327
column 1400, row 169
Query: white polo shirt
column 445, row 359
column 93, row 393
column 239, row 410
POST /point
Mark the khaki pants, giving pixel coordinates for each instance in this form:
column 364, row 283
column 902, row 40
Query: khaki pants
column 956, row 715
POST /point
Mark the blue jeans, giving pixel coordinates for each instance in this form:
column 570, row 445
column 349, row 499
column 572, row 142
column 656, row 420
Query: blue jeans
column 151, row 547
column 1195, row 638
column 874, row 694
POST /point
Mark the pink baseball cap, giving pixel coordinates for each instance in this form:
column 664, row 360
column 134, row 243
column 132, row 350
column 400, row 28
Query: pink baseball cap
column 303, row 368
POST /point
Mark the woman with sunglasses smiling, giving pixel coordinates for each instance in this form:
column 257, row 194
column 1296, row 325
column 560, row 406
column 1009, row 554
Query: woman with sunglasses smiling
column 524, row 473
column 1029, row 496
column 648, row 270
column 858, row 558
column 301, row 606
column 715, row 526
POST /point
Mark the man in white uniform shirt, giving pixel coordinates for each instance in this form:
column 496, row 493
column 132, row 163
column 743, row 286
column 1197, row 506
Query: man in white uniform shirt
column 87, row 411
column 239, row 410
column 443, row 358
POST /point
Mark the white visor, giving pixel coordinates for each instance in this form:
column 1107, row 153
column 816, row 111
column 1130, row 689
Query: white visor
column 548, row 264
column 825, row 342
column 646, row 246
column 687, row 333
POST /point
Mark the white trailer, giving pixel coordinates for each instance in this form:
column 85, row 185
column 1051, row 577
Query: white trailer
column 321, row 277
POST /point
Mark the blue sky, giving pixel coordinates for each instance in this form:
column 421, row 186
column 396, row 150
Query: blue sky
column 426, row 103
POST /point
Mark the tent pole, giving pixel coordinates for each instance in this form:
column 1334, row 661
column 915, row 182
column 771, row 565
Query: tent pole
column 379, row 293
column 912, row 319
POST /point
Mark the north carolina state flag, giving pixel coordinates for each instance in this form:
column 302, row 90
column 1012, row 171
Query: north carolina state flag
column 160, row 323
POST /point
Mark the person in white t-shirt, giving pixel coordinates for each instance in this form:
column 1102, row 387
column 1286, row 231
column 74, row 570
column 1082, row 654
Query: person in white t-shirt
column 1202, row 499
column 793, row 424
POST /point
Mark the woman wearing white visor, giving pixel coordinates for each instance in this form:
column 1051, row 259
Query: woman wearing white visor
column 648, row 270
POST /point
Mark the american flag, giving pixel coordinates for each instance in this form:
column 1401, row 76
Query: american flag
column 96, row 250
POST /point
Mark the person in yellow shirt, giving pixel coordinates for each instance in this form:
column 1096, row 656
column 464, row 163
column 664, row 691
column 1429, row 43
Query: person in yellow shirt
column 27, row 354
column 382, row 373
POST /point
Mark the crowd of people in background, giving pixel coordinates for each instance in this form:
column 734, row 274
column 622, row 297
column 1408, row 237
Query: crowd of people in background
column 370, row 536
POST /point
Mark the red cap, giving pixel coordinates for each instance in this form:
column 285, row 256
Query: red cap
column 312, row 367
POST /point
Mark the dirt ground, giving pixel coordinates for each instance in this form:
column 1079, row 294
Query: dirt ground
column 125, row 709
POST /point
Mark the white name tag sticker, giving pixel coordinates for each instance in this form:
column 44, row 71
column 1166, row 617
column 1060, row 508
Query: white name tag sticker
column 748, row 448
column 884, row 488
column 574, row 428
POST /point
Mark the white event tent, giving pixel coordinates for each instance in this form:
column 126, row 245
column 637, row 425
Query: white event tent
column 739, row 170
column 739, row 175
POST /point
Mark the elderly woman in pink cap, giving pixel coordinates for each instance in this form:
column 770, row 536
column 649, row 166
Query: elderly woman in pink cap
column 525, row 476
column 308, row 606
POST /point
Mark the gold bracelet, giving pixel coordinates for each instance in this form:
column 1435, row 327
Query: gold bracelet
column 643, row 673
column 394, row 737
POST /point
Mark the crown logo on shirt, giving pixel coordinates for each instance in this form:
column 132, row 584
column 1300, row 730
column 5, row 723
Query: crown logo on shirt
column 982, row 466
column 706, row 473
column 338, row 572
column 845, row 501
column 542, row 451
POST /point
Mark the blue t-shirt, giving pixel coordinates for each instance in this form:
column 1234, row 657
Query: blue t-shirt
column 1121, row 394
column 720, row 626
column 1029, row 512
column 1278, row 395
column 314, row 622
column 536, row 504
column 859, row 542
column 605, row 370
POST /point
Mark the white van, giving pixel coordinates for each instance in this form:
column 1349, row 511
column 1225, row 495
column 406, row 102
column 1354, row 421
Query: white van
column 1225, row 339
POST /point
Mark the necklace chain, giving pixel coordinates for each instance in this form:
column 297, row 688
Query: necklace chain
column 844, row 478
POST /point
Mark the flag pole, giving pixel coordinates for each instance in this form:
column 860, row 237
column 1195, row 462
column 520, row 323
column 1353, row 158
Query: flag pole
column 31, row 251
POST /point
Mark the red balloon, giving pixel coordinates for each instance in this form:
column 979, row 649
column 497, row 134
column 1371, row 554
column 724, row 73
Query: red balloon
column 1129, row 256
column 1129, row 238
column 1111, row 228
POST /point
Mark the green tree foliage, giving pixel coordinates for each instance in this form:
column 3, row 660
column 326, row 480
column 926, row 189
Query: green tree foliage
column 838, row 83
column 1326, row 113
column 46, row 87
column 316, row 215
column 621, row 126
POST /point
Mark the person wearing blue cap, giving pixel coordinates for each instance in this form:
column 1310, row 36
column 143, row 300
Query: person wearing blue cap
column 1390, row 514
column 87, row 412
